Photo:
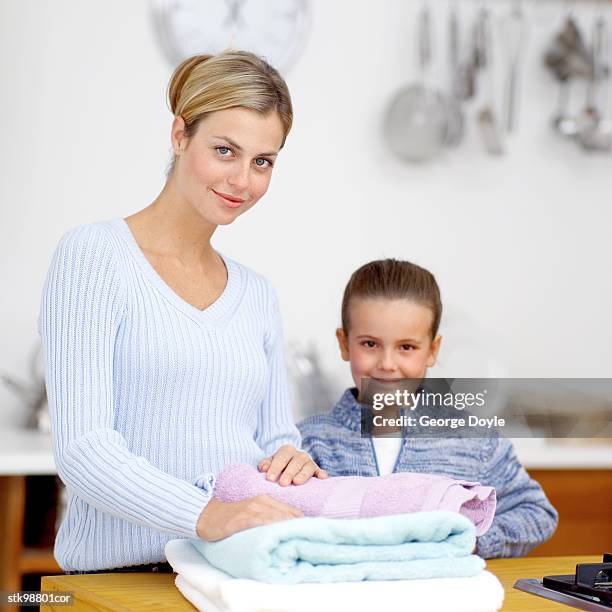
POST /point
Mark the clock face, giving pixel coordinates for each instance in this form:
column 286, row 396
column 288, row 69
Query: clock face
column 274, row 29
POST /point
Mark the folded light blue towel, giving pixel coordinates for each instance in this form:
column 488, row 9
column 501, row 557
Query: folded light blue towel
column 434, row 544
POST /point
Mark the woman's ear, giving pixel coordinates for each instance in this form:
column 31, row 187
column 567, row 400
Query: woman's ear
column 179, row 139
column 433, row 351
column 342, row 343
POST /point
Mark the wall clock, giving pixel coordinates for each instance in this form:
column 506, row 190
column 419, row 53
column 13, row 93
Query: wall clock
column 274, row 29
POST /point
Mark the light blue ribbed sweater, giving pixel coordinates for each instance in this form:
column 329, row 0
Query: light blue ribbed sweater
column 151, row 397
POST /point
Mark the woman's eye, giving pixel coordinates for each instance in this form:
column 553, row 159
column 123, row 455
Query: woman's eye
column 223, row 151
column 262, row 162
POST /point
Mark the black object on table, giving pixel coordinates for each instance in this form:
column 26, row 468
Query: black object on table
column 590, row 588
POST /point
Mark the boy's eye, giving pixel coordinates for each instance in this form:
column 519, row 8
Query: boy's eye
column 407, row 347
column 368, row 343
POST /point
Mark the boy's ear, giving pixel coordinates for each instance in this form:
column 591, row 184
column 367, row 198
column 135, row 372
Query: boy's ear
column 433, row 354
column 342, row 343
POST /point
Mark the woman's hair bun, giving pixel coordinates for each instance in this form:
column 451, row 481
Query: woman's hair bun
column 180, row 76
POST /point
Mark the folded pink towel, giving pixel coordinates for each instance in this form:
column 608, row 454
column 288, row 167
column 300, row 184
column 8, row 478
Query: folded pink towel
column 361, row 497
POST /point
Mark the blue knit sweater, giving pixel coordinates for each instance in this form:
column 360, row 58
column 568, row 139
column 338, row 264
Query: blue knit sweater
column 151, row 397
column 524, row 517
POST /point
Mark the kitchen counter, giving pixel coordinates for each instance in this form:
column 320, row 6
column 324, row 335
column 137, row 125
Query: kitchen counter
column 25, row 452
column 573, row 454
column 112, row 592
column 30, row 452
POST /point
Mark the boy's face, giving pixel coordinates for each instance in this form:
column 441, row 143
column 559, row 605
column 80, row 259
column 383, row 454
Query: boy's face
column 388, row 339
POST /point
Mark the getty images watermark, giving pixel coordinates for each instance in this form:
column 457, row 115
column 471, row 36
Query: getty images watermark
column 426, row 401
column 484, row 407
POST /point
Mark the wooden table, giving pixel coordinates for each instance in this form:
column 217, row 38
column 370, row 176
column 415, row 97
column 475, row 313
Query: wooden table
column 122, row 592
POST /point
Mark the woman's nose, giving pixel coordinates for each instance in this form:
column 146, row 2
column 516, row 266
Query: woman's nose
column 239, row 178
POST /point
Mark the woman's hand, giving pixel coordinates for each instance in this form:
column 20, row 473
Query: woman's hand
column 219, row 519
column 291, row 465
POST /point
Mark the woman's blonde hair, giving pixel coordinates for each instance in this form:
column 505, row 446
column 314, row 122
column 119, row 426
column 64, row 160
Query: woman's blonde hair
column 203, row 84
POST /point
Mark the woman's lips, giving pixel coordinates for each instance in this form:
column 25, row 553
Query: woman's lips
column 228, row 200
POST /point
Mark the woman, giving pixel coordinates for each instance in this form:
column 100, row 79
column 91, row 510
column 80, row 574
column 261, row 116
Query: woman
column 164, row 359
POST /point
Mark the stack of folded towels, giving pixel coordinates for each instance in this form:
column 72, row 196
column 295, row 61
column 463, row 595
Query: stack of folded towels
column 404, row 539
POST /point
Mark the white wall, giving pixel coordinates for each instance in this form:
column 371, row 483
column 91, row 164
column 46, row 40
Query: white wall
column 520, row 245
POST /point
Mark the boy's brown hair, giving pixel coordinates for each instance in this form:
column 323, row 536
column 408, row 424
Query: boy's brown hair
column 394, row 280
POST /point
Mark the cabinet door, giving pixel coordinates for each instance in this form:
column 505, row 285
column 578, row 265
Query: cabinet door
column 583, row 499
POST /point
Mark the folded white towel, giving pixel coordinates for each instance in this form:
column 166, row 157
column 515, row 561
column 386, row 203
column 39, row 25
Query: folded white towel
column 194, row 597
column 212, row 590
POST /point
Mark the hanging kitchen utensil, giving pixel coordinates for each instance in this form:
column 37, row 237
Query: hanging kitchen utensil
column 311, row 384
column 594, row 129
column 564, row 122
column 416, row 121
column 567, row 55
column 33, row 392
column 469, row 69
column 487, row 118
column 455, row 130
column 513, row 35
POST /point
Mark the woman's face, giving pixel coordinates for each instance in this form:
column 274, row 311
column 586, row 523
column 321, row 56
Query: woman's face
column 225, row 167
column 388, row 340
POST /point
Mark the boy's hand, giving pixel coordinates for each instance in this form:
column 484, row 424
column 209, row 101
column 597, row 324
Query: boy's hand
column 290, row 465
